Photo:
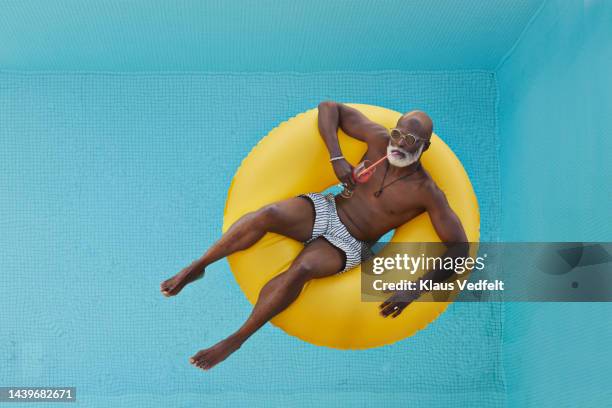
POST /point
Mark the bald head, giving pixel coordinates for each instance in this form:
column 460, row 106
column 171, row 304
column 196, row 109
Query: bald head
column 417, row 121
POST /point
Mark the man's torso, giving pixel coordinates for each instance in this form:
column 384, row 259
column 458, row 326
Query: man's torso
column 368, row 217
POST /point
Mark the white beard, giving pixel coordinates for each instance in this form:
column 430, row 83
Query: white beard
column 408, row 158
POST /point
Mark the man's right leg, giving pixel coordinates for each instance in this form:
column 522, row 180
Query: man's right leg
column 293, row 218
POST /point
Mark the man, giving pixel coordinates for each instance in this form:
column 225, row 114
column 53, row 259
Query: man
column 335, row 230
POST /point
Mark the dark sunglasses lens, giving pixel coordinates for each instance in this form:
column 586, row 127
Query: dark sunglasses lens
column 411, row 140
column 396, row 135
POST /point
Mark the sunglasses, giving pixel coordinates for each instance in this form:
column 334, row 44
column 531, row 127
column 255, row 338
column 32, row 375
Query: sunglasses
column 397, row 136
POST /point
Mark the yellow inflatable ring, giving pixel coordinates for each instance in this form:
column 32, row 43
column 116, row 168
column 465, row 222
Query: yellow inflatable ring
column 292, row 159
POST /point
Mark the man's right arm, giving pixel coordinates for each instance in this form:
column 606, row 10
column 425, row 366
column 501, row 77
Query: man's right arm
column 355, row 124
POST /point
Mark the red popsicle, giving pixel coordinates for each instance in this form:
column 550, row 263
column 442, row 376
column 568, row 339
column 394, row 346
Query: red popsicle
column 361, row 173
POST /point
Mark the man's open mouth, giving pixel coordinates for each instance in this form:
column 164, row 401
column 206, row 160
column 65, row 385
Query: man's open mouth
column 398, row 153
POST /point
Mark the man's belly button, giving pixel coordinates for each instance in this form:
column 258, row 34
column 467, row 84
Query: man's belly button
column 351, row 225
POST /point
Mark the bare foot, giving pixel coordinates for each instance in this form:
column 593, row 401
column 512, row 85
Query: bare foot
column 210, row 357
column 173, row 286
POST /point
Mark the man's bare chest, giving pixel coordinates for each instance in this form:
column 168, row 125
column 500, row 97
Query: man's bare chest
column 400, row 199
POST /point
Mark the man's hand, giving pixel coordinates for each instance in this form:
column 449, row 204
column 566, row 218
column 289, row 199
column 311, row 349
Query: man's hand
column 397, row 303
column 344, row 172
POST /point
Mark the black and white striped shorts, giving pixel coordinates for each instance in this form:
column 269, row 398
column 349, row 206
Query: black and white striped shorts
column 328, row 225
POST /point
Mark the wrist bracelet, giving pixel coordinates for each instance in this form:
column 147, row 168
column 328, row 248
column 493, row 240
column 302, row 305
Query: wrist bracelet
column 336, row 158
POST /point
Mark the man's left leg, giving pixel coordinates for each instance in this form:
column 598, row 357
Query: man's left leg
column 318, row 259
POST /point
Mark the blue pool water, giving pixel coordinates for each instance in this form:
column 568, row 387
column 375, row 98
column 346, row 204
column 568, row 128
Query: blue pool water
column 115, row 194
column 114, row 173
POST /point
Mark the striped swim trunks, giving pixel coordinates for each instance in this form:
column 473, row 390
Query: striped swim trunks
column 327, row 224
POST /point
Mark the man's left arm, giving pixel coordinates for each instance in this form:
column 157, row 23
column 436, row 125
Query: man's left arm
column 451, row 233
